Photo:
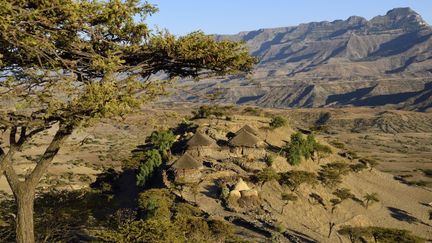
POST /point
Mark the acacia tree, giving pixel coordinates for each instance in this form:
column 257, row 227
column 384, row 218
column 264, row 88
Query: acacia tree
column 67, row 63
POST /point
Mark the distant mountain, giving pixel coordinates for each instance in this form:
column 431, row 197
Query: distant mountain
column 396, row 44
column 384, row 61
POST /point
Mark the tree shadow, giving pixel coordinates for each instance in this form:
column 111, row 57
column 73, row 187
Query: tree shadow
column 212, row 191
column 404, row 216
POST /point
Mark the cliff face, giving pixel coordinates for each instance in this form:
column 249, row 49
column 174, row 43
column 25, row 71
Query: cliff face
column 384, row 61
column 396, row 44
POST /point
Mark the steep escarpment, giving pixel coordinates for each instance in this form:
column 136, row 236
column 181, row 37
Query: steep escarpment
column 385, row 61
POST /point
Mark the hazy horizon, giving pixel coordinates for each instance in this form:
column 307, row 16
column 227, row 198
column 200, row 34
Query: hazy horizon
column 231, row 17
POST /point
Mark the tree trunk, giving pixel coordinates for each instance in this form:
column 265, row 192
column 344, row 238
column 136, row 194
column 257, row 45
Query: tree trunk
column 24, row 221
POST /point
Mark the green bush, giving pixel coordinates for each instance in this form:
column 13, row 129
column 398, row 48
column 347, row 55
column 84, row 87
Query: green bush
column 266, row 175
column 151, row 231
column 278, row 121
column 331, row 174
column 299, row 148
column 322, row 151
column 205, row 111
column 343, row 194
column 268, row 159
column 155, row 203
column 162, row 140
column 152, row 160
column 370, row 198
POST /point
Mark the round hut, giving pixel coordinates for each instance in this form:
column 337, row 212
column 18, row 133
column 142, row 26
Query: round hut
column 245, row 143
column 248, row 129
column 201, row 145
column 186, row 169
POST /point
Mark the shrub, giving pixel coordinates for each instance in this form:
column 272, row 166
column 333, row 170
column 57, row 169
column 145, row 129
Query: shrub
column 206, row 111
column 322, row 151
column 184, row 127
column 317, row 198
column 152, row 160
column 162, row 140
column 202, row 112
column 357, row 167
column 266, row 175
column 338, row 144
column 155, row 203
column 427, row 172
column 343, row 194
column 268, row 159
column 253, row 111
column 220, row 228
column 369, row 162
column 278, row 121
column 300, row 147
column 294, row 155
column 289, row 197
column 154, row 231
column 293, row 179
column 370, row 198
column 331, row 174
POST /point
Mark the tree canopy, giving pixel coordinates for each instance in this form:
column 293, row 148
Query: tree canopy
column 66, row 63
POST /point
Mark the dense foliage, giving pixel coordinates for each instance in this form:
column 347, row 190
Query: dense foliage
column 278, row 121
column 293, row 179
column 165, row 220
column 67, row 63
column 299, row 148
column 152, row 160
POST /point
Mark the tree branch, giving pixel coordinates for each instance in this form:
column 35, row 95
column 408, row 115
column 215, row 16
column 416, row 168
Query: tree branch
column 9, row 171
column 51, row 151
column 12, row 137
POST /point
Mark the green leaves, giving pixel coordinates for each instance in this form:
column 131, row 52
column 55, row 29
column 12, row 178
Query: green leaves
column 84, row 60
column 152, row 160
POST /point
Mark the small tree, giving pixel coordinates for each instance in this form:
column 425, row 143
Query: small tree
column 370, row 198
column 293, row 179
column 371, row 163
column 343, row 194
column 66, row 64
column 267, row 174
column 357, row 167
column 152, row 160
column 331, row 174
column 162, row 141
column 335, row 202
column 278, row 121
column 322, row 151
column 268, row 159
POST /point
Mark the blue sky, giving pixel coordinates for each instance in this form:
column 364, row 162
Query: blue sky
column 232, row 16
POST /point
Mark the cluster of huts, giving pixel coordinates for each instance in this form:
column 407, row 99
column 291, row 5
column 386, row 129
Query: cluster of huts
column 189, row 166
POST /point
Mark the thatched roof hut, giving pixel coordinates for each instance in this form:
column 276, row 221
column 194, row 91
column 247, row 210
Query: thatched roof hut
column 248, row 129
column 201, row 140
column 186, row 169
column 186, row 162
column 245, row 139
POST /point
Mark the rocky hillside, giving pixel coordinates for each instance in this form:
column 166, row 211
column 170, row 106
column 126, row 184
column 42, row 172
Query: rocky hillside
column 383, row 61
column 397, row 44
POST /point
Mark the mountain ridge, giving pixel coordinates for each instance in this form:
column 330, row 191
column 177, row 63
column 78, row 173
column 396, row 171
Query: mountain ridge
column 325, row 55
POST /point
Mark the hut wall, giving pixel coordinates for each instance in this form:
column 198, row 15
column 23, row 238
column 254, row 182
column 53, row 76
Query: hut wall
column 187, row 175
